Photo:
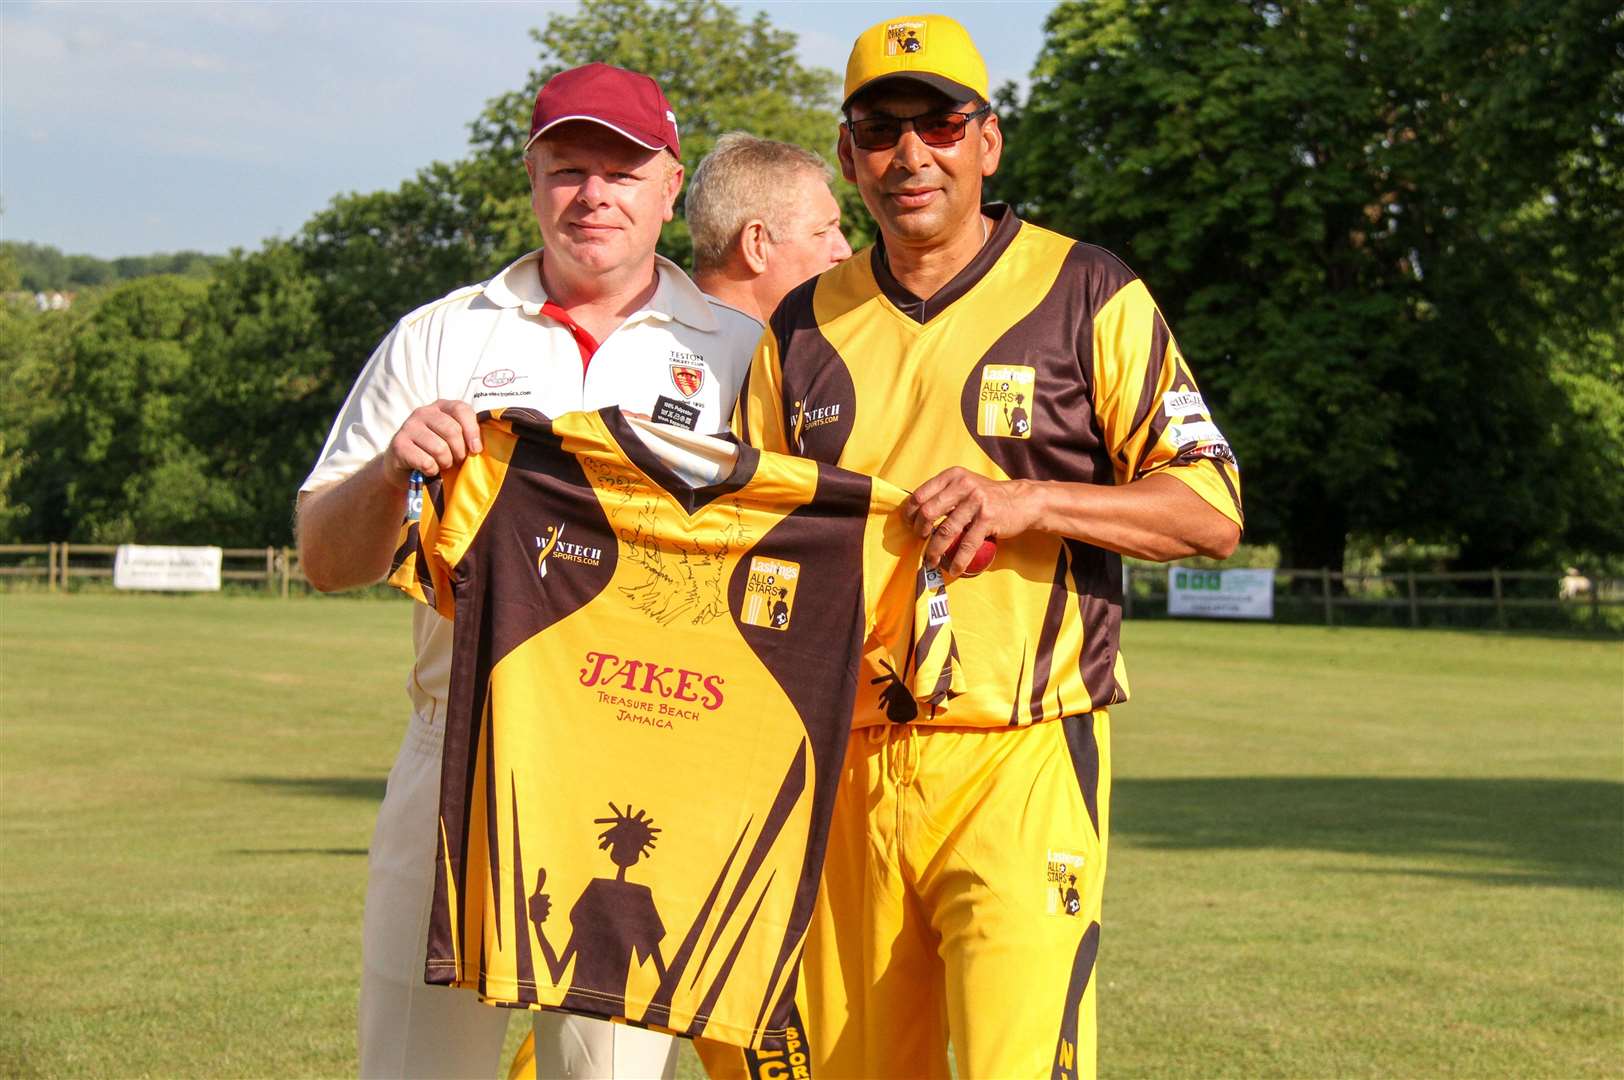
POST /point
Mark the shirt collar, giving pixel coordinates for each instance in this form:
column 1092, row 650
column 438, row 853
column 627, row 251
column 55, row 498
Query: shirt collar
column 1002, row 234
column 675, row 296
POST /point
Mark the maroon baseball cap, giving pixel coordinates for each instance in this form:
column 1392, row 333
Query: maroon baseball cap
column 623, row 101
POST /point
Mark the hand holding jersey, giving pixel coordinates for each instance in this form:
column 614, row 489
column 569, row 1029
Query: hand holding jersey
column 433, row 439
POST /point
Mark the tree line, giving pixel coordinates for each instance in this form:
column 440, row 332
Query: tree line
column 42, row 268
column 1387, row 235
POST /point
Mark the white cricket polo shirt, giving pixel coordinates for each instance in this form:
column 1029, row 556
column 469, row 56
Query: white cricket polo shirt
column 681, row 359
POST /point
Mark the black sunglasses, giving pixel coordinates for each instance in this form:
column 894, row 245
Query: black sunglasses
column 939, row 127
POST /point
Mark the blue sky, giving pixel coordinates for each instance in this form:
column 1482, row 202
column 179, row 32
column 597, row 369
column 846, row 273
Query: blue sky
column 128, row 128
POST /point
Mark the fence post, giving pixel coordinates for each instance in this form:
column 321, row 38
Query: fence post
column 1415, row 609
column 270, row 568
column 62, row 556
column 1127, row 592
column 50, row 566
column 1325, row 591
column 1595, row 600
column 285, row 561
column 1499, row 600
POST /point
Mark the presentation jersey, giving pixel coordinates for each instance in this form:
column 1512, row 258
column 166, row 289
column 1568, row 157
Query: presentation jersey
column 650, row 697
column 495, row 345
column 1043, row 359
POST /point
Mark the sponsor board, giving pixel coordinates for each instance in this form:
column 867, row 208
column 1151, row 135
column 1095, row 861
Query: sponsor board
column 167, row 569
column 1220, row 594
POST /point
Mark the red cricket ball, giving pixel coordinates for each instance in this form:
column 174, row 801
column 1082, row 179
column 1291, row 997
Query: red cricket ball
column 983, row 557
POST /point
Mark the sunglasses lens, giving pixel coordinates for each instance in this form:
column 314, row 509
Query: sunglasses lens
column 934, row 129
column 942, row 129
column 879, row 133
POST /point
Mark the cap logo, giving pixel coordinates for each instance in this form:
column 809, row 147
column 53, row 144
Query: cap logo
column 905, row 37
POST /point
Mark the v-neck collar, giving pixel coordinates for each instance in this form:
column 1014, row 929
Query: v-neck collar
column 922, row 311
column 691, row 499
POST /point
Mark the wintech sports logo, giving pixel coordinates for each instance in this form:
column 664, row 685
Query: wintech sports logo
column 551, row 546
column 809, row 416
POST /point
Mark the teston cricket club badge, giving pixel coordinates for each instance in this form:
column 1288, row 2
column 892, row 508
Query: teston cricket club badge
column 687, row 373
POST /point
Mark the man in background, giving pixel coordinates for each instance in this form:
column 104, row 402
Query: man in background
column 595, row 319
column 763, row 220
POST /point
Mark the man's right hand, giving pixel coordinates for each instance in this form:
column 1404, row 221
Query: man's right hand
column 433, row 439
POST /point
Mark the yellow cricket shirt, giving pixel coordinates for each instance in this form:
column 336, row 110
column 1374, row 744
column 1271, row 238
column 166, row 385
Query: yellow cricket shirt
column 1043, row 359
column 656, row 638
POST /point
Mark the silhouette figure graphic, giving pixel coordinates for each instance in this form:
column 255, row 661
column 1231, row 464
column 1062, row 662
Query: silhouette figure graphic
column 1016, row 418
column 613, row 920
column 1072, row 901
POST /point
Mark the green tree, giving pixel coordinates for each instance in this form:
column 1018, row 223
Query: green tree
column 34, row 365
column 266, row 389
column 120, row 454
column 1338, row 204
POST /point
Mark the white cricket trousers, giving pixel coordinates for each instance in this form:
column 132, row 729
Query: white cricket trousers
column 410, row 1029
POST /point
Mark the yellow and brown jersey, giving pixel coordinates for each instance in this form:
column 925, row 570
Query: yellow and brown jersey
column 650, row 693
column 1044, row 359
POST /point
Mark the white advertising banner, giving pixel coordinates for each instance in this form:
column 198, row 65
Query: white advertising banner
column 1220, row 594
column 174, row 569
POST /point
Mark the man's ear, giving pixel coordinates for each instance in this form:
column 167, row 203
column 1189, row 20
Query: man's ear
column 843, row 150
column 753, row 241
column 992, row 144
column 673, row 184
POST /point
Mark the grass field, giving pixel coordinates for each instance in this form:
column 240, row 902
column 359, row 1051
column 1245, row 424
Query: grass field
column 1336, row 852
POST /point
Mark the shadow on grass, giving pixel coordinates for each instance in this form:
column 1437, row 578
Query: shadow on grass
column 327, row 787
column 1493, row 831
column 351, row 851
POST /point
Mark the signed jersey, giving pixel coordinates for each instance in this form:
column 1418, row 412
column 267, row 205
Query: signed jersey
column 656, row 648
column 1043, row 359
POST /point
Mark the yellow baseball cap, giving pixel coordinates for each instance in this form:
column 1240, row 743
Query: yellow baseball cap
column 931, row 49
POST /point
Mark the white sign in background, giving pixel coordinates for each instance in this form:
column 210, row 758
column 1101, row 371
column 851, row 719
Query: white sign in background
column 172, row 569
column 1220, row 594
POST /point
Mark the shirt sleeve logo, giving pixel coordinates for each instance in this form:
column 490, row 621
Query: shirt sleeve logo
column 769, row 594
column 1005, row 410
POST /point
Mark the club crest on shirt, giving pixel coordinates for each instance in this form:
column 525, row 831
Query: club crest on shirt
column 1061, row 875
column 769, row 593
column 552, row 547
column 687, row 373
column 1004, row 409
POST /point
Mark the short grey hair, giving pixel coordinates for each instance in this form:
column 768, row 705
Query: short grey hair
column 744, row 177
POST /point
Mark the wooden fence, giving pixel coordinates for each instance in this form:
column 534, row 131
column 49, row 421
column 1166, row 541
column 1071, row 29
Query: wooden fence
column 1326, row 596
column 1496, row 593
column 274, row 569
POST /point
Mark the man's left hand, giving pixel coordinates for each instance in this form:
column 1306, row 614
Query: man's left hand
column 958, row 510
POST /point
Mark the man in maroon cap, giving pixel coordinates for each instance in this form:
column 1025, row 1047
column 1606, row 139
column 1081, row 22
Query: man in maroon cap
column 593, row 318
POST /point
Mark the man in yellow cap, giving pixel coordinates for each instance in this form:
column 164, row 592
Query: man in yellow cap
column 1026, row 388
